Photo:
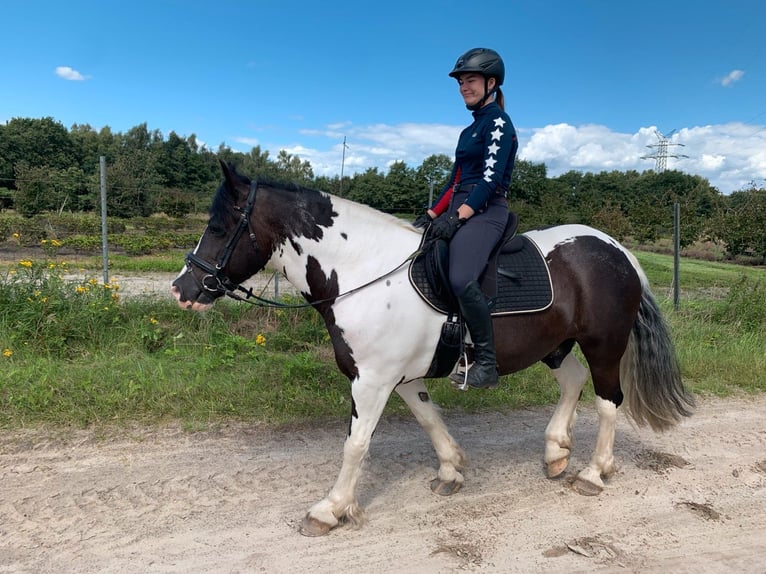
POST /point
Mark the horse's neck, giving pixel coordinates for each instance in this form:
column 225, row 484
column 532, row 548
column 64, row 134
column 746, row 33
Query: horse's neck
column 360, row 245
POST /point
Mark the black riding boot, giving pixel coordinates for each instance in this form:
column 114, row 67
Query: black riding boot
column 475, row 311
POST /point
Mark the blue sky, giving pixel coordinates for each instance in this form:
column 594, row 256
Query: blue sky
column 589, row 82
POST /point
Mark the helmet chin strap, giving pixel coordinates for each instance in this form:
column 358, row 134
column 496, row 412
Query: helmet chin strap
column 487, row 94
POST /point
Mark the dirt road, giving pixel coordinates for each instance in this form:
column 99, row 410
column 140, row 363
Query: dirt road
column 230, row 500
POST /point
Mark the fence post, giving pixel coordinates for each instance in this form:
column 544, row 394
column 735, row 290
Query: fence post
column 676, row 253
column 104, row 251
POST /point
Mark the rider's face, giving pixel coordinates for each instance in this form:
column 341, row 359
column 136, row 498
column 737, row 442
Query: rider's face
column 472, row 87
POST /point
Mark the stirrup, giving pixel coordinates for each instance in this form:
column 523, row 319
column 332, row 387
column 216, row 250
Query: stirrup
column 459, row 376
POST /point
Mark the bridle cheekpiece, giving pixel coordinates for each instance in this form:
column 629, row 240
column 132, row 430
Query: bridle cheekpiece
column 215, row 280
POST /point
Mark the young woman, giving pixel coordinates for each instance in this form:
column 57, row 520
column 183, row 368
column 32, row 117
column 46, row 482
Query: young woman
column 472, row 210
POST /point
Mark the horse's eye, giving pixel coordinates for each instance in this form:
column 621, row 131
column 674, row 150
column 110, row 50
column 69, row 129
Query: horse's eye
column 215, row 230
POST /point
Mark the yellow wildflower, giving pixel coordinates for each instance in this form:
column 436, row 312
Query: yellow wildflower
column 260, row 340
column 25, row 263
column 16, row 235
column 153, row 321
column 7, row 353
column 81, row 289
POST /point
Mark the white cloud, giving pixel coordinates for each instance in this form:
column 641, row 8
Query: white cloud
column 69, row 73
column 731, row 77
column 250, row 142
column 728, row 155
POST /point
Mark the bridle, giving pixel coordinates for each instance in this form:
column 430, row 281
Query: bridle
column 215, row 280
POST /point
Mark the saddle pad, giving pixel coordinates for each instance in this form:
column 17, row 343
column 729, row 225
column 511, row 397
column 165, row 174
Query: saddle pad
column 523, row 282
column 529, row 287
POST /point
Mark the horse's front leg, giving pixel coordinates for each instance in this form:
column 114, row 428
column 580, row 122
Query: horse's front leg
column 571, row 376
column 451, row 457
column 340, row 504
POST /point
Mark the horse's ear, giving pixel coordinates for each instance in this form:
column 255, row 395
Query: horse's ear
column 229, row 175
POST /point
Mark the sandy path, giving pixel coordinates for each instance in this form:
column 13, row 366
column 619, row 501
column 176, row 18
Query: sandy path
column 158, row 284
column 148, row 500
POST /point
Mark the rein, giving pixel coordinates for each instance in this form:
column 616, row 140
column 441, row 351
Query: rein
column 263, row 302
column 217, row 282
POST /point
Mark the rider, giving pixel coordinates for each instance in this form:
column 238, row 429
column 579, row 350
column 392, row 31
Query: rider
column 471, row 212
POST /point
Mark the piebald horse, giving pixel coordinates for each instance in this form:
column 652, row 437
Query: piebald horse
column 349, row 261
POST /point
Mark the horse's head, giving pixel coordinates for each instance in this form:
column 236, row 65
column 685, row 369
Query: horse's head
column 228, row 252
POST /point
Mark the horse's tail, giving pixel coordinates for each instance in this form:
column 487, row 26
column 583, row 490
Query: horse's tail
column 649, row 371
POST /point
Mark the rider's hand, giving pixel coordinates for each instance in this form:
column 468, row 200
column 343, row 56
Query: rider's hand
column 445, row 226
column 423, row 220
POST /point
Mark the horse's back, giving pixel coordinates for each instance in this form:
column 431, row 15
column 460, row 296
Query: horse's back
column 548, row 238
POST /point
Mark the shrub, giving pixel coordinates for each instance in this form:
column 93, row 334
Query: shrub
column 40, row 310
column 744, row 306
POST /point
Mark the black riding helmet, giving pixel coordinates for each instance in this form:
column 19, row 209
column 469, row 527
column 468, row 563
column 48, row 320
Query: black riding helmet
column 482, row 61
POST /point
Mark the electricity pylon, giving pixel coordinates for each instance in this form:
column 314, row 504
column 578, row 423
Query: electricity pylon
column 661, row 155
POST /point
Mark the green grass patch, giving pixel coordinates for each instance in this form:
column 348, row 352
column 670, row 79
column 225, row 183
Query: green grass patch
column 75, row 353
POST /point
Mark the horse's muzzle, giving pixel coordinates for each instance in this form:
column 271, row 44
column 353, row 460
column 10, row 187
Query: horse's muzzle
column 199, row 301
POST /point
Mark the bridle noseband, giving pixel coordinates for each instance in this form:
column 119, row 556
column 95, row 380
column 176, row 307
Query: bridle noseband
column 215, row 280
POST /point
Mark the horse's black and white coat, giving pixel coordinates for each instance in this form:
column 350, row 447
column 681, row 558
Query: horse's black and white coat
column 350, row 261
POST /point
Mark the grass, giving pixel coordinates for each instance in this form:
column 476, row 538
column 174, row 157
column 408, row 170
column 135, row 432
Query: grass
column 75, row 353
column 694, row 274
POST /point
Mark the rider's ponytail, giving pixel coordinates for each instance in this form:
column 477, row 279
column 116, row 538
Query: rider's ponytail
column 500, row 98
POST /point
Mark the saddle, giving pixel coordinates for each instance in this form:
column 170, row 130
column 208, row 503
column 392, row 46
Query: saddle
column 516, row 280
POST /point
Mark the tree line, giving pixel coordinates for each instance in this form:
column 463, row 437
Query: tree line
column 45, row 167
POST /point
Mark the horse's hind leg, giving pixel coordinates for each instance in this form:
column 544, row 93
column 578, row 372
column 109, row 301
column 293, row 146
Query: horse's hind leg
column 571, row 376
column 601, row 464
column 606, row 381
column 451, row 457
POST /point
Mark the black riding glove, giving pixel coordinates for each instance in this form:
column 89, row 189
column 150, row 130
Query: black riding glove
column 422, row 220
column 445, row 227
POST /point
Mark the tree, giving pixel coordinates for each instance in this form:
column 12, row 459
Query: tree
column 401, row 192
column 432, row 175
column 291, row 167
column 612, row 220
column 368, row 187
column 44, row 188
column 133, row 184
column 741, row 225
column 37, row 142
column 528, row 181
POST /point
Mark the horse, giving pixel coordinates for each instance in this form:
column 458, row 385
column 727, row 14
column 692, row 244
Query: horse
column 349, row 261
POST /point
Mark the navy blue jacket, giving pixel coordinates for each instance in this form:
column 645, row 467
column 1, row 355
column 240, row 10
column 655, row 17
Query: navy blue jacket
column 485, row 154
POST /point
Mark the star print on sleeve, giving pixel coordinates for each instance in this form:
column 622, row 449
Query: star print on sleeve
column 497, row 134
column 499, row 122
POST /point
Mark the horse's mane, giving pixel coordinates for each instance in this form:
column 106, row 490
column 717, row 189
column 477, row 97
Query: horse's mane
column 221, row 208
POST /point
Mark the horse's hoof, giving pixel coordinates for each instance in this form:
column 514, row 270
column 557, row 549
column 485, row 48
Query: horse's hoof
column 586, row 488
column 310, row 526
column 555, row 468
column 443, row 488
